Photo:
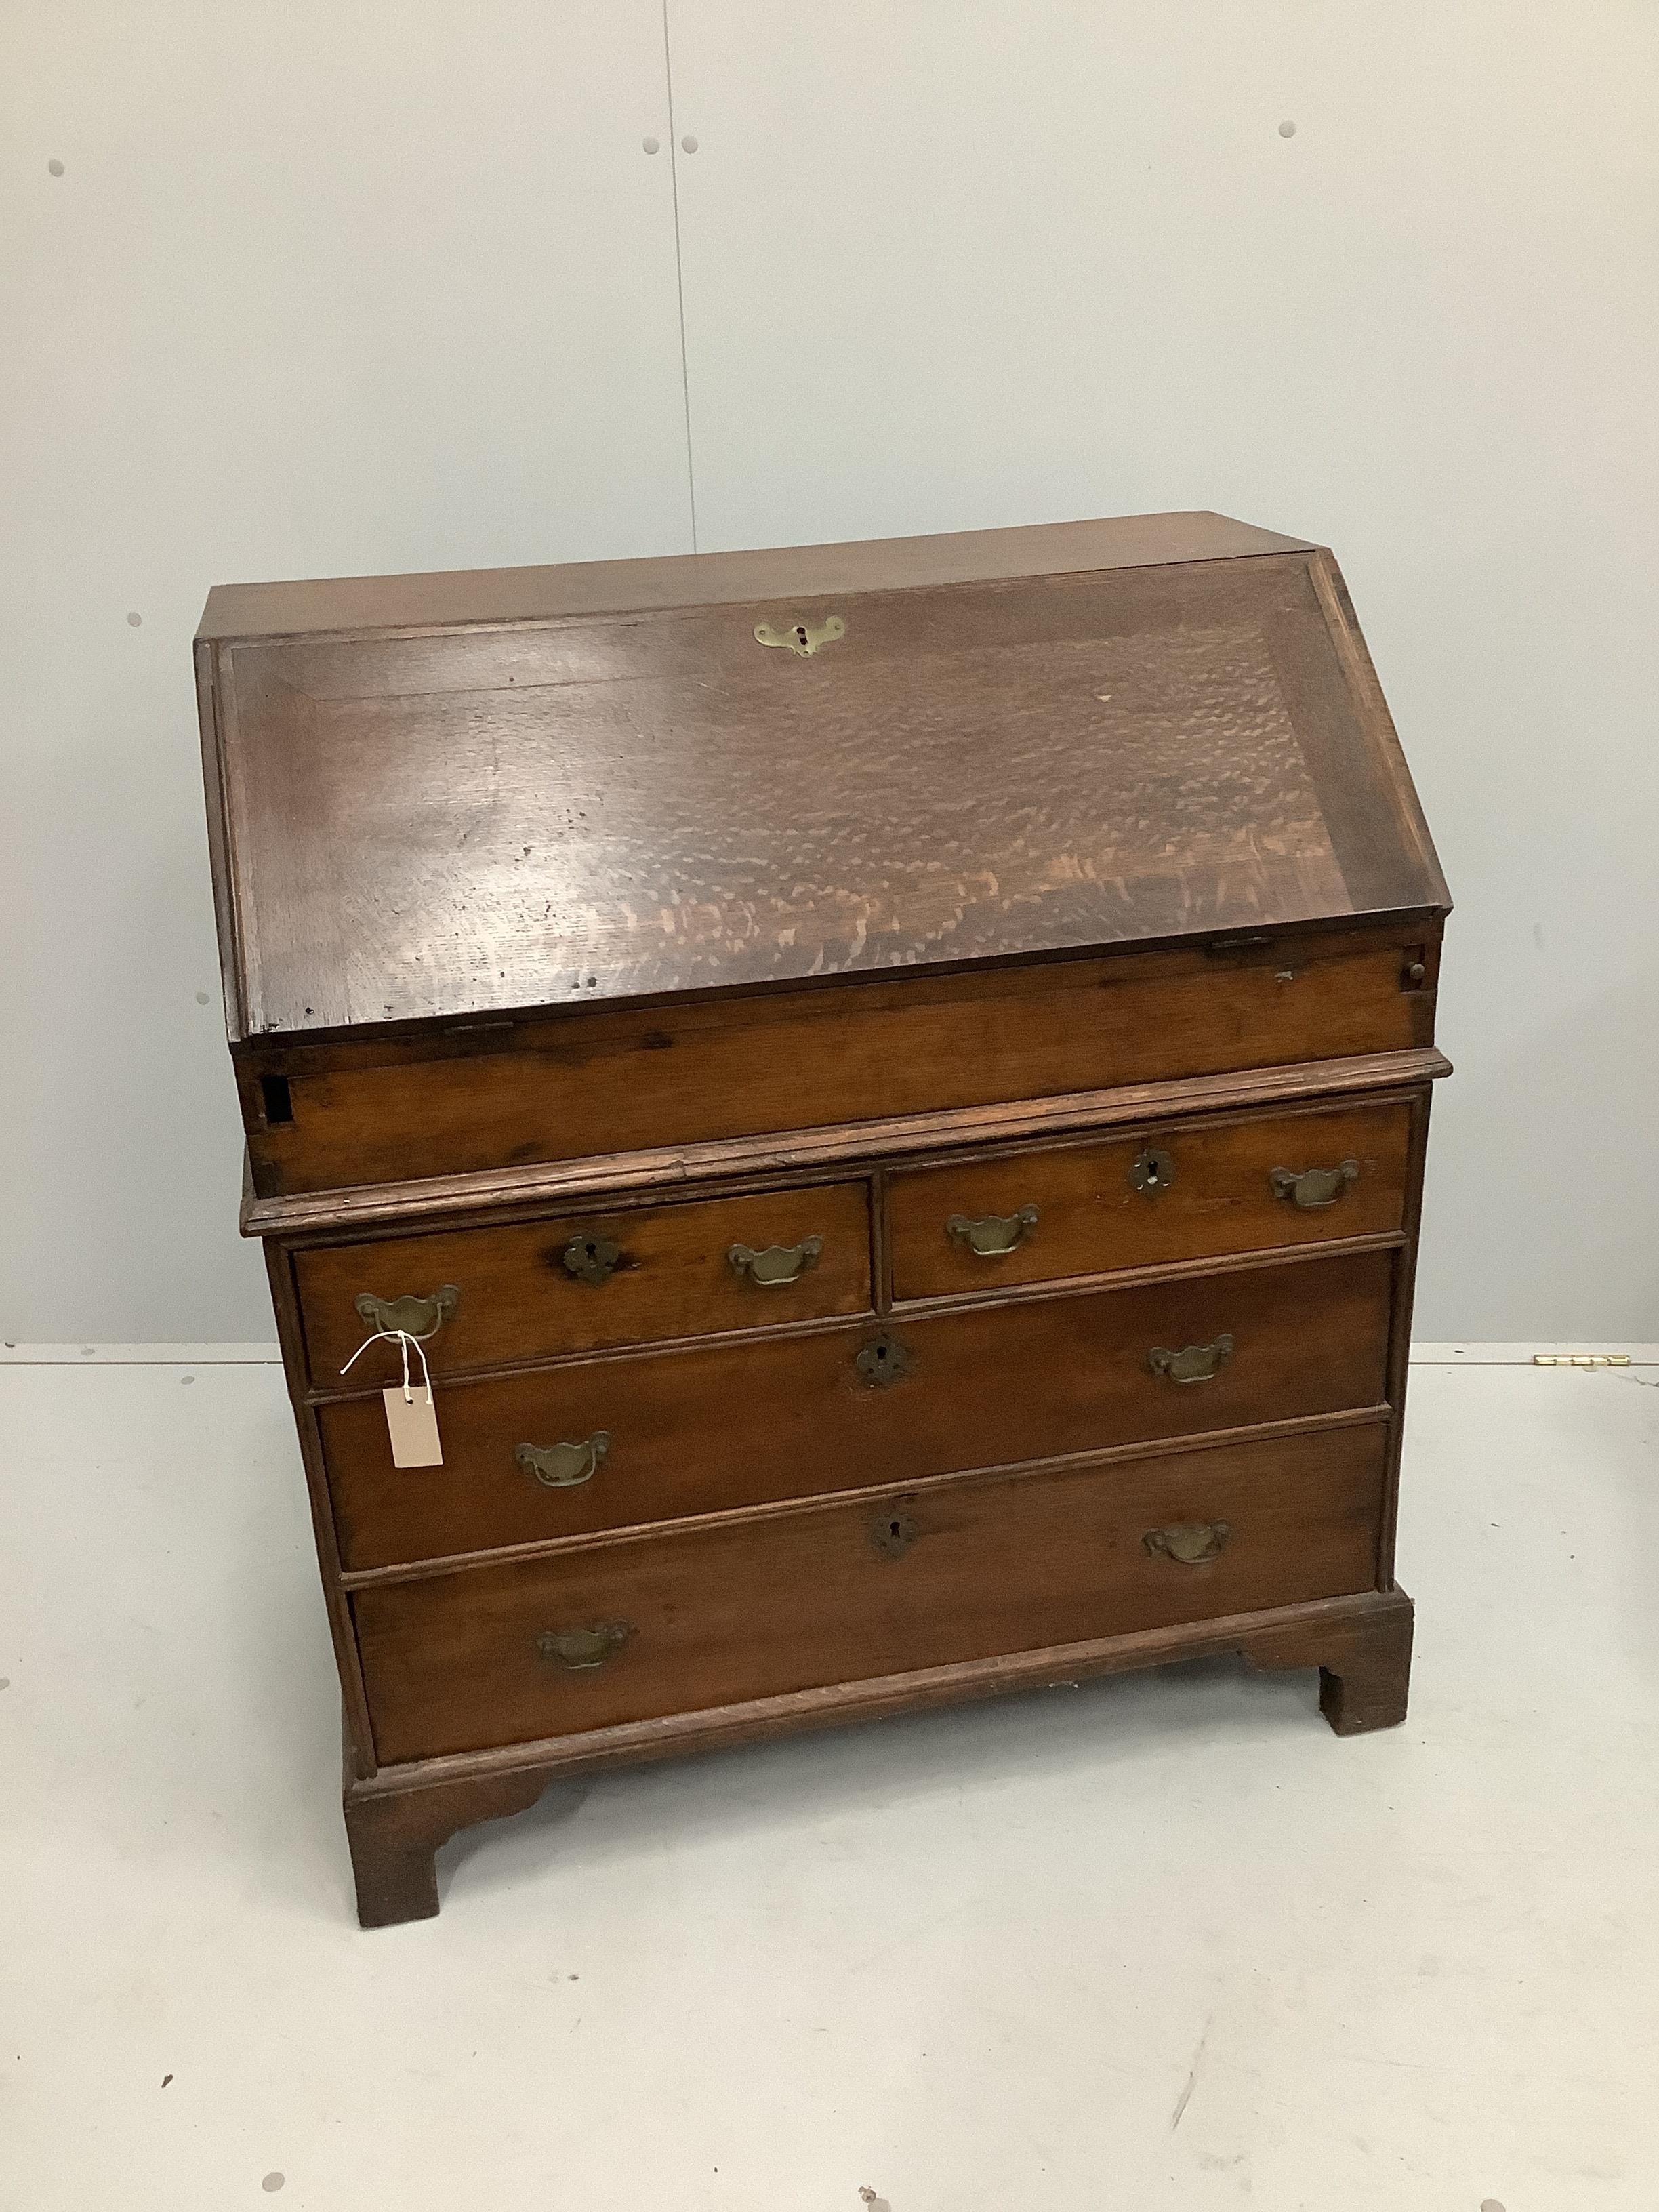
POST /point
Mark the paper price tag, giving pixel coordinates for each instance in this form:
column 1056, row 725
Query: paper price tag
column 412, row 1425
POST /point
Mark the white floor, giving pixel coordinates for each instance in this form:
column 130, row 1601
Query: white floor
column 1158, row 1942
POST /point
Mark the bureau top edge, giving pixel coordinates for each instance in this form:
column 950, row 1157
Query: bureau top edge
column 464, row 599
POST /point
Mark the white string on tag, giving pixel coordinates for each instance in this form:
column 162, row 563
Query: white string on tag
column 402, row 1338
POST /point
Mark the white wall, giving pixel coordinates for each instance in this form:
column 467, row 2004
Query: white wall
column 406, row 297
column 326, row 287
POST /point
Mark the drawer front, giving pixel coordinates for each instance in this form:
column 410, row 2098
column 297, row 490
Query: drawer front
column 704, row 1617
column 1188, row 1192
column 731, row 1425
column 599, row 1083
column 582, row 1282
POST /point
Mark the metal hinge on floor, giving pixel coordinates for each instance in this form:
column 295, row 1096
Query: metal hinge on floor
column 1581, row 1359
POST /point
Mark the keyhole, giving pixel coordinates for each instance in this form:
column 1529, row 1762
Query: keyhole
column 592, row 1250
column 895, row 1529
column 801, row 632
column 881, row 1353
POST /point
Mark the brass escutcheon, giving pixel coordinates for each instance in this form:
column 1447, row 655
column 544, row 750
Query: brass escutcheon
column 1189, row 1543
column 580, row 1648
column 409, row 1316
column 1153, row 1171
column 1194, row 1363
column 883, row 1362
column 591, row 1259
column 893, row 1535
column 777, row 1263
column 1313, row 1186
column 992, row 1236
column 562, row 1466
column 802, row 638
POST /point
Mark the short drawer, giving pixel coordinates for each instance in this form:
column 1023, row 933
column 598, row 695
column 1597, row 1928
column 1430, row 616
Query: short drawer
column 1188, row 1191
column 649, row 1436
column 582, row 1282
column 710, row 1616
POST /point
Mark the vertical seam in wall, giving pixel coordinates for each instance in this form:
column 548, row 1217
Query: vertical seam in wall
column 679, row 269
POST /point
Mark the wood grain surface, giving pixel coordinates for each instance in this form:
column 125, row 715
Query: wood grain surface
column 1214, row 1196
column 606, row 1178
column 480, row 821
column 618, row 1080
column 739, row 1423
column 519, row 1301
column 746, row 1609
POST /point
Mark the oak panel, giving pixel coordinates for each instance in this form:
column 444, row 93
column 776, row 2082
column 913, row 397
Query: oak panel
column 737, row 1610
column 735, row 1423
column 620, row 1081
column 519, row 1300
column 1215, row 1197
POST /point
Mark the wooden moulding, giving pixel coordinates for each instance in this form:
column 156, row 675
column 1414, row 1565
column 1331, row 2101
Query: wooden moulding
column 668, row 1172
column 397, row 1821
column 634, row 1078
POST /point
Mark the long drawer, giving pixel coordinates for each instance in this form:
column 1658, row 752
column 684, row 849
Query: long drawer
column 1194, row 1190
column 733, row 1610
column 532, row 1290
column 740, row 1423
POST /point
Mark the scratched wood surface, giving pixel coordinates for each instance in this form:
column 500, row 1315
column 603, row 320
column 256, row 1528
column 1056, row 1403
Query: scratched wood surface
column 479, row 820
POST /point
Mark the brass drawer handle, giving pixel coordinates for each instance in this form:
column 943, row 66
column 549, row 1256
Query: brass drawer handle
column 1153, row 1171
column 993, row 1235
column 591, row 1259
column 1194, row 1363
column 562, row 1466
column 1189, row 1543
column 777, row 1263
column 1313, row 1186
column 802, row 638
column 882, row 1361
column 580, row 1648
column 409, row 1316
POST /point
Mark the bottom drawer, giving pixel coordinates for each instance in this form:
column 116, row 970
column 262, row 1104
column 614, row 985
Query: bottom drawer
column 714, row 1615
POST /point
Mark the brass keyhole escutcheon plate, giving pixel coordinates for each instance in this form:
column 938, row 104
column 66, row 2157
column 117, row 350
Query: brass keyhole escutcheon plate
column 883, row 1362
column 893, row 1535
column 802, row 638
column 1153, row 1171
column 591, row 1259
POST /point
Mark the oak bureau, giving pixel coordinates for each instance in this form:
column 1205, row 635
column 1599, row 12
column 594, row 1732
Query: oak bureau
column 884, row 1084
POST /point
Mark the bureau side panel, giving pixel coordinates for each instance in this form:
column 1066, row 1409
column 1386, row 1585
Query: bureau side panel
column 360, row 1739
